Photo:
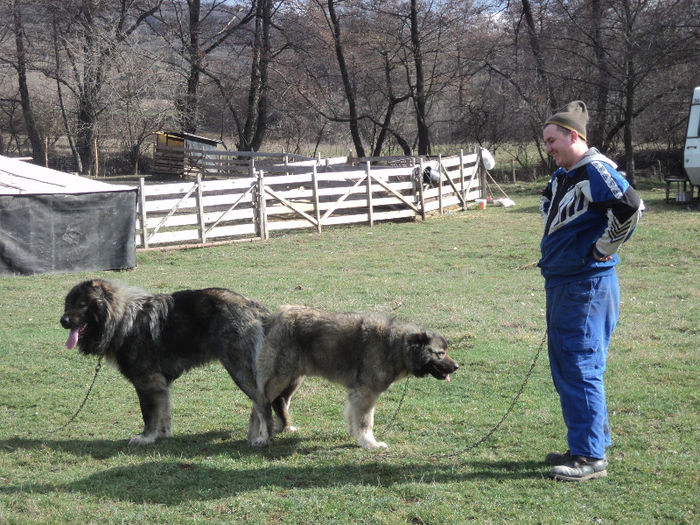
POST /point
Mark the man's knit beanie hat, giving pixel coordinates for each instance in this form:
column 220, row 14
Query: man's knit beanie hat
column 573, row 116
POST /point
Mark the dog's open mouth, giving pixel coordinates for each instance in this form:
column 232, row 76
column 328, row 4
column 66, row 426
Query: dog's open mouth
column 74, row 336
column 442, row 371
column 437, row 373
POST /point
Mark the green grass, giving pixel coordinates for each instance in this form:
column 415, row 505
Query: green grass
column 472, row 276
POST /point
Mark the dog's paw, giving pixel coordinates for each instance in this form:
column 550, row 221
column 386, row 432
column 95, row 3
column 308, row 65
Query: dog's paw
column 370, row 443
column 290, row 428
column 260, row 442
column 142, row 439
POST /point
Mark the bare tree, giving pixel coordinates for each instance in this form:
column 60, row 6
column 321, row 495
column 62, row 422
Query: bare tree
column 419, row 94
column 353, row 119
column 196, row 31
column 139, row 98
column 87, row 35
column 256, row 121
column 540, row 62
column 38, row 150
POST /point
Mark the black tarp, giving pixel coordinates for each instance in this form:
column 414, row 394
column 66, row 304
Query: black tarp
column 52, row 221
column 67, row 232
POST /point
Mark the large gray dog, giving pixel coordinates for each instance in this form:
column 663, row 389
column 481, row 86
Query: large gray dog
column 366, row 353
column 155, row 338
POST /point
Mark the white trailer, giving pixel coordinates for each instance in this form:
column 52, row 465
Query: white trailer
column 691, row 157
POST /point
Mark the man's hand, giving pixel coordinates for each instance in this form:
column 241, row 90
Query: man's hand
column 601, row 258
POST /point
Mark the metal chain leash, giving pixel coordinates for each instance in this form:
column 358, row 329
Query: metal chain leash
column 392, row 420
column 80, row 408
column 497, row 426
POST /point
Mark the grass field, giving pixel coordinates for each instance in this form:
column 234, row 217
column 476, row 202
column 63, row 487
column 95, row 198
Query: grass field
column 470, row 275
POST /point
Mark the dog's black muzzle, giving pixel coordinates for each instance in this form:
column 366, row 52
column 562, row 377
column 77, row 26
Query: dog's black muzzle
column 442, row 369
column 68, row 323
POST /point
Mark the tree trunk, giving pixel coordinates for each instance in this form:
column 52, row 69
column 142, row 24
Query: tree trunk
column 93, row 70
column 38, row 151
column 61, row 103
column 187, row 104
column 629, row 121
column 419, row 96
column 630, row 80
column 385, row 128
column 347, row 85
column 596, row 133
column 541, row 68
column 256, row 121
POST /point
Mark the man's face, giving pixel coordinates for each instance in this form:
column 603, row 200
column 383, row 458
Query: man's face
column 559, row 144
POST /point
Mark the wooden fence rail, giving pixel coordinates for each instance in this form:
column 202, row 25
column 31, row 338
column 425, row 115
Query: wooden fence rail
column 205, row 211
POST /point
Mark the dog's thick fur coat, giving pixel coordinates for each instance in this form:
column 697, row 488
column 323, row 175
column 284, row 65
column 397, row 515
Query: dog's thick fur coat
column 155, row 338
column 365, row 353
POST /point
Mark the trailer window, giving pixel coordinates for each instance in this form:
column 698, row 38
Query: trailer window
column 694, row 122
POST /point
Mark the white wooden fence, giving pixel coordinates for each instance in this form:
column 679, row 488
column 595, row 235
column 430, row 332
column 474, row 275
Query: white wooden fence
column 293, row 196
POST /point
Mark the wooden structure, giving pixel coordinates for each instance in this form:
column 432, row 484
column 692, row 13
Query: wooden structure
column 302, row 196
column 171, row 156
column 185, row 156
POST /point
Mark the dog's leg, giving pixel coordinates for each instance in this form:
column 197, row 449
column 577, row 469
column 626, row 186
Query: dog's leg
column 155, row 409
column 259, row 423
column 253, row 425
column 271, row 391
column 283, row 422
column 360, row 415
column 260, row 427
column 349, row 416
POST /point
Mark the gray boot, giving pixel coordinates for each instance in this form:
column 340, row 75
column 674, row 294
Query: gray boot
column 580, row 468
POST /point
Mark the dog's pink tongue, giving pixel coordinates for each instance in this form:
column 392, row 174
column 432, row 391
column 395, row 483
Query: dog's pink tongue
column 447, row 378
column 72, row 339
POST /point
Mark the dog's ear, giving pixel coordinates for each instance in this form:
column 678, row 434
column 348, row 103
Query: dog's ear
column 100, row 292
column 418, row 338
column 97, row 285
column 101, row 289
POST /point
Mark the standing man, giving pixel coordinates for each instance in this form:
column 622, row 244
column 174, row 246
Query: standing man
column 589, row 210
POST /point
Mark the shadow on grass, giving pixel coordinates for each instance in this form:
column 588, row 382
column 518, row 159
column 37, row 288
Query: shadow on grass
column 173, row 481
column 205, row 444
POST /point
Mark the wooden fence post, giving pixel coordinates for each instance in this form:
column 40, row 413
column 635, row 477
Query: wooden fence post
column 142, row 212
column 420, row 189
column 96, row 158
column 251, row 167
column 262, row 211
column 370, row 211
column 200, row 210
column 440, row 183
column 317, row 207
column 482, row 176
column 461, row 176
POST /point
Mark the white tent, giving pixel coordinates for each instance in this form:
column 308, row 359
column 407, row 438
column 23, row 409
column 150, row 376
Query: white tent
column 52, row 221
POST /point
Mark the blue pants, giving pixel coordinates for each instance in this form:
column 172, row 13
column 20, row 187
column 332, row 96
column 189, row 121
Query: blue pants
column 581, row 317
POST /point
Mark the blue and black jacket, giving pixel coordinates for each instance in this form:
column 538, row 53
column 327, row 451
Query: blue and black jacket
column 590, row 207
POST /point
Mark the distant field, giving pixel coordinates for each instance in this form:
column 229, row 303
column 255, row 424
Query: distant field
column 470, row 275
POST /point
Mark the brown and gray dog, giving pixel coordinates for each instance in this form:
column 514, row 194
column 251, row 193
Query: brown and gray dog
column 365, row 353
column 155, row 338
